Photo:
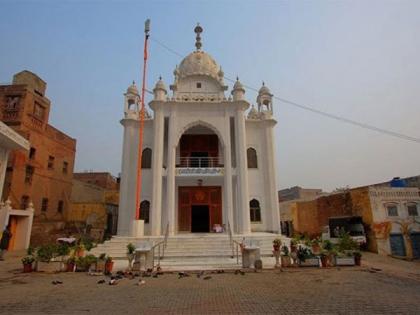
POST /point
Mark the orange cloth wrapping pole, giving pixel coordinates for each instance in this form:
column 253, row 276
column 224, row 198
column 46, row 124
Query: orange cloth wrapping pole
column 141, row 128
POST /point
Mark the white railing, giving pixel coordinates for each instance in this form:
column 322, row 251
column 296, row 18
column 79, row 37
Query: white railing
column 199, row 162
column 161, row 246
column 235, row 246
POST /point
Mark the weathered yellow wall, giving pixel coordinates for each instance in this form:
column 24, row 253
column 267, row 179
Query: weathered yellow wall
column 80, row 212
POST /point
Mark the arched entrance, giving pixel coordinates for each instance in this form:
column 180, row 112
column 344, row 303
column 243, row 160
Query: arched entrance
column 199, row 154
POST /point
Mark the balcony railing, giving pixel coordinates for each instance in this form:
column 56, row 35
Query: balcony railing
column 199, row 162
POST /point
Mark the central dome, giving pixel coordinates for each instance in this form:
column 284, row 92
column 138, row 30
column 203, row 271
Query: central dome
column 199, row 63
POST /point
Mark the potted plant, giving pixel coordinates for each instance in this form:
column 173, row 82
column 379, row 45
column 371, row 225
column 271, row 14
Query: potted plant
column 344, row 259
column 79, row 250
column 44, row 256
column 358, row 258
column 329, row 251
column 109, row 264
column 130, row 255
column 316, row 245
column 276, row 244
column 27, row 262
column 324, row 256
column 100, row 265
column 70, row 264
column 285, row 256
column 306, row 258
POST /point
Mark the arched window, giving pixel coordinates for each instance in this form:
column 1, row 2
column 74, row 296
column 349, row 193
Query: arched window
column 251, row 156
column 255, row 210
column 146, row 158
column 145, row 211
column 411, row 209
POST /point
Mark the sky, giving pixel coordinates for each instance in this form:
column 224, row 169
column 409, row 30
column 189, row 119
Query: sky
column 357, row 59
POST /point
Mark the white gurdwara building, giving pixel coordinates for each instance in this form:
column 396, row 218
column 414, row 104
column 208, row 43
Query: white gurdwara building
column 208, row 160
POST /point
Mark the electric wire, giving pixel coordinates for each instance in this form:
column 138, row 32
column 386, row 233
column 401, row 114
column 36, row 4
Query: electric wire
column 310, row 108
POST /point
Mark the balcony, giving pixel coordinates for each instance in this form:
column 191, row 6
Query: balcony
column 199, row 166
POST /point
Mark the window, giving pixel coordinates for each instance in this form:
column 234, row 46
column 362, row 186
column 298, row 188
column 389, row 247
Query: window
column 412, row 210
column 144, row 211
column 392, row 211
column 12, row 103
column 60, row 206
column 198, row 85
column 29, row 172
column 44, row 206
column 255, row 210
column 51, row 162
column 65, row 167
column 32, row 152
column 251, row 156
column 39, row 111
column 146, row 158
column 24, row 202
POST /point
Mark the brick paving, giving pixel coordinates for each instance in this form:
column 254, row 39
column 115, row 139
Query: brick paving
column 351, row 290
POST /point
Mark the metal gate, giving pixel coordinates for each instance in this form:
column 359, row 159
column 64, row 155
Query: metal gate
column 397, row 244
column 415, row 241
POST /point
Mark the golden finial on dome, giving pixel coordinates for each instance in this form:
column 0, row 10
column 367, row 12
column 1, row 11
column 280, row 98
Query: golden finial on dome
column 198, row 30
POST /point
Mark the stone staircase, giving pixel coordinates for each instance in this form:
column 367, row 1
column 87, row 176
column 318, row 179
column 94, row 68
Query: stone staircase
column 191, row 251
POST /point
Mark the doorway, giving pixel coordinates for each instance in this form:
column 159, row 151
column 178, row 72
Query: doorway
column 199, row 159
column 200, row 219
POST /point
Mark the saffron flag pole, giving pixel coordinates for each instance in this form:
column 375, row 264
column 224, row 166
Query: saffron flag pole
column 142, row 112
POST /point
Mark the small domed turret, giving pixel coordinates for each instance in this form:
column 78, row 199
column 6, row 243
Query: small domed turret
column 132, row 99
column 238, row 91
column 265, row 99
column 132, row 89
column 160, row 90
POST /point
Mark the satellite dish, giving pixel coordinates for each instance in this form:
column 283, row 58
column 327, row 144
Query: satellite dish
column 91, row 219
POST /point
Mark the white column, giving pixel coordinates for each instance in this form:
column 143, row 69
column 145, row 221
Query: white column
column 242, row 173
column 157, row 154
column 128, row 185
column 270, row 169
column 4, row 154
column 170, row 178
column 228, row 197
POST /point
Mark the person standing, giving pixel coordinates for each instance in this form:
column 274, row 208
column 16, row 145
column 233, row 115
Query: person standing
column 4, row 243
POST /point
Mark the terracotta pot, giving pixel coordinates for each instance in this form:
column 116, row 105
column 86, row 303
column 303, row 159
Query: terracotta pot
column 70, row 267
column 100, row 266
column 108, row 266
column 27, row 268
column 331, row 260
column 316, row 248
column 276, row 248
column 285, row 261
column 324, row 261
column 358, row 260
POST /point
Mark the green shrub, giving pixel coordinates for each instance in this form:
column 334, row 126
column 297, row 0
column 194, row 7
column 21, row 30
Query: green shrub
column 45, row 253
column 131, row 248
column 346, row 243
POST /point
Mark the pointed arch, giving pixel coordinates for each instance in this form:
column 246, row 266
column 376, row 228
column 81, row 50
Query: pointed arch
column 200, row 123
column 251, row 157
column 146, row 158
column 255, row 210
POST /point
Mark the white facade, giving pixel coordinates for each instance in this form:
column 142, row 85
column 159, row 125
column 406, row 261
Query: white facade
column 391, row 215
column 19, row 221
column 198, row 107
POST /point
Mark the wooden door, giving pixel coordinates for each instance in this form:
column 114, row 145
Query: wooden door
column 199, row 195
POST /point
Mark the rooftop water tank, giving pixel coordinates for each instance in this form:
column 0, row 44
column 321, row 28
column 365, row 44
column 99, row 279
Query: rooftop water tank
column 398, row 182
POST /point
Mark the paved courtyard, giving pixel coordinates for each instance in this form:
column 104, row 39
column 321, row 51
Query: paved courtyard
column 351, row 290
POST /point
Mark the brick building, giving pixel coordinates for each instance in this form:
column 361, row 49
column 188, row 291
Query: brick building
column 44, row 174
column 390, row 216
column 94, row 203
column 101, row 179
